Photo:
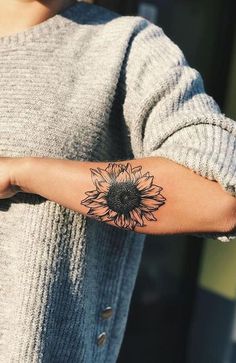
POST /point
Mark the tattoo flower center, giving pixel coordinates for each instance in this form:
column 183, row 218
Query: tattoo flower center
column 123, row 195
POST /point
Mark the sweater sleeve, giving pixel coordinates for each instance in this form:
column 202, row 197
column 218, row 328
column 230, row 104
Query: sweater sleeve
column 169, row 114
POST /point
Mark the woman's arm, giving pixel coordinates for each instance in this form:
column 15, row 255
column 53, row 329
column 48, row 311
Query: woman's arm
column 151, row 195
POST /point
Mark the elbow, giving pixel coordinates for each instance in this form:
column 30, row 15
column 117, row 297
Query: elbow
column 227, row 221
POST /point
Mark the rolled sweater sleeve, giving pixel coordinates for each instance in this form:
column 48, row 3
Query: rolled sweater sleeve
column 169, row 114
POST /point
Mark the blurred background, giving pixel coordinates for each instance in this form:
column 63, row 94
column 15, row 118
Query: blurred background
column 183, row 306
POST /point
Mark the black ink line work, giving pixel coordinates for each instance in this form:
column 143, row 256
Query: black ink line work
column 123, row 195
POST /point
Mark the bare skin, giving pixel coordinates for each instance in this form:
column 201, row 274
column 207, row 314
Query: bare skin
column 150, row 195
column 19, row 15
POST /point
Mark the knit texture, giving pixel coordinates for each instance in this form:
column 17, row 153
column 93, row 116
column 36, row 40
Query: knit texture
column 89, row 84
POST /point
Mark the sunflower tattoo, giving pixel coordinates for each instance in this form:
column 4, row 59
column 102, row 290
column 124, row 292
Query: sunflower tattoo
column 123, row 195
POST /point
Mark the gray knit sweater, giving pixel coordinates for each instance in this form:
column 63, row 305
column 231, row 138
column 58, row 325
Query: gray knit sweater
column 89, row 84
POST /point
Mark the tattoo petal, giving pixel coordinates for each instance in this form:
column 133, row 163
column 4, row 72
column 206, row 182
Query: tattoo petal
column 96, row 176
column 152, row 191
column 137, row 216
column 112, row 213
column 92, row 193
column 144, row 182
column 106, row 176
column 99, row 211
column 151, row 203
column 102, row 187
column 123, row 176
column 149, row 216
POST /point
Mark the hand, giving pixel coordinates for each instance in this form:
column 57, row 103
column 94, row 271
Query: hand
column 7, row 189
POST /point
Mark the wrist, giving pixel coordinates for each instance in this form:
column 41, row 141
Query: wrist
column 20, row 174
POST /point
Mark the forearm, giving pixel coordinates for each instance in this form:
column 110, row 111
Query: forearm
column 170, row 199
